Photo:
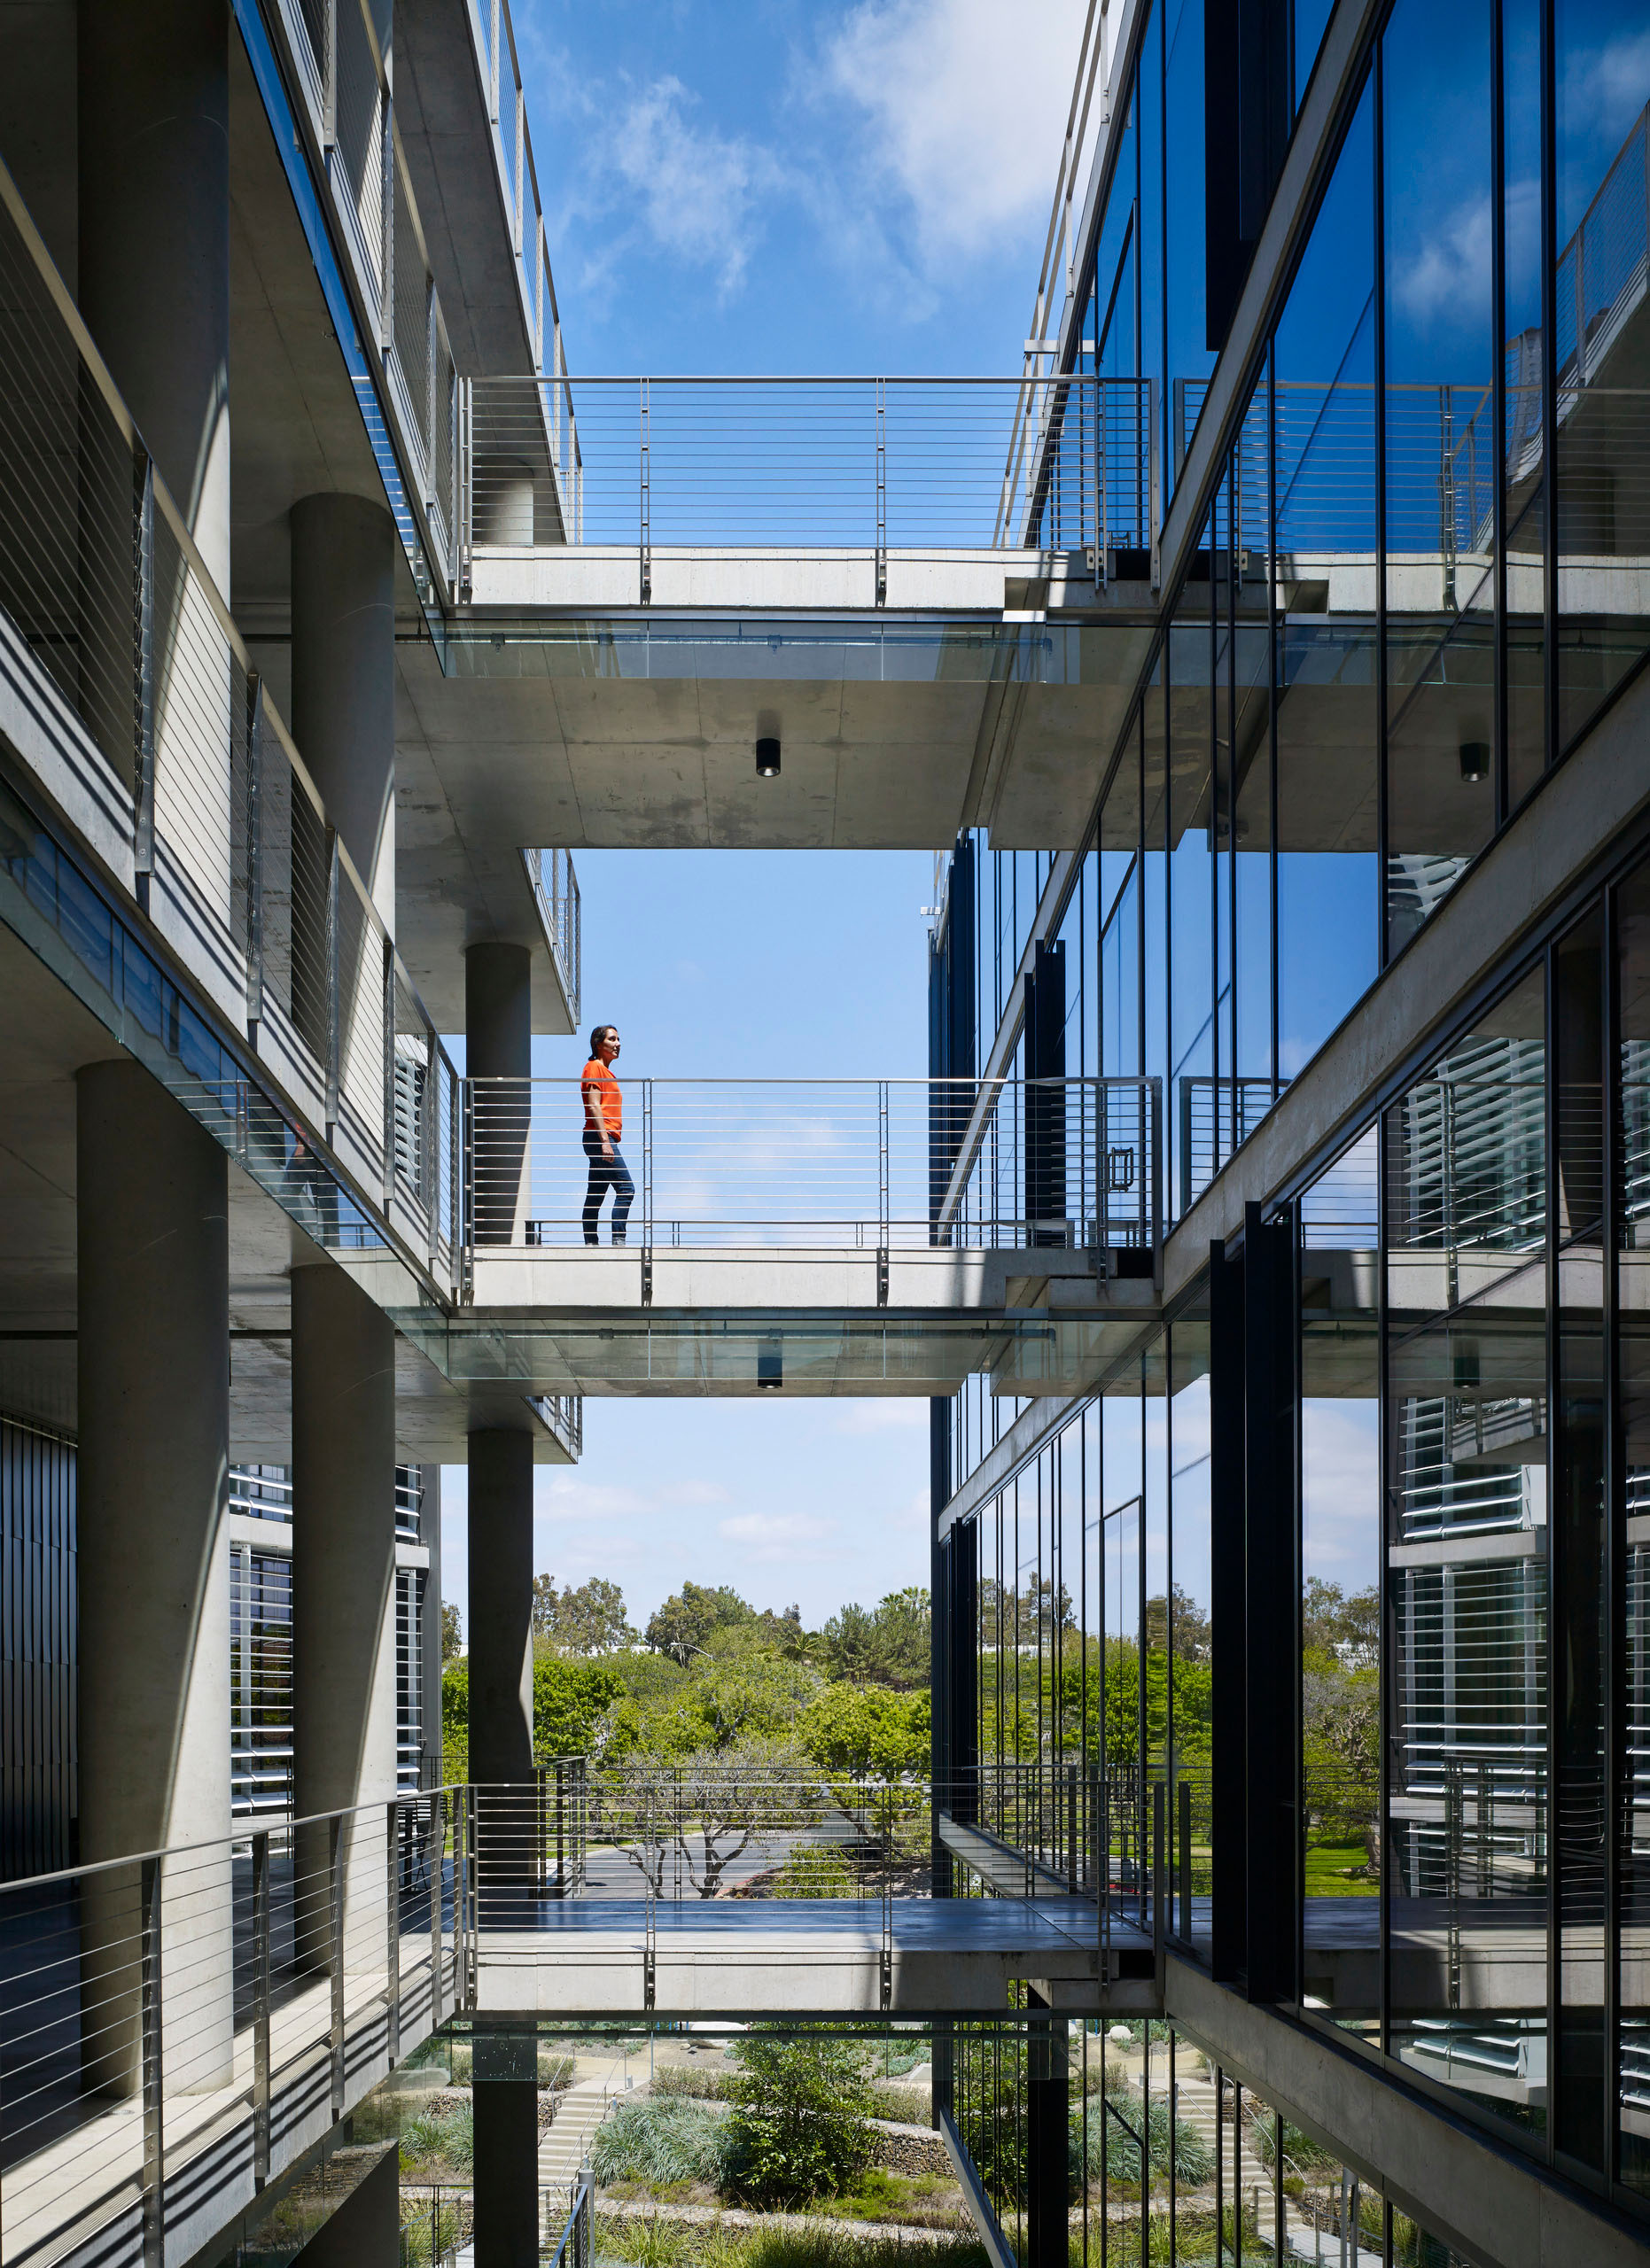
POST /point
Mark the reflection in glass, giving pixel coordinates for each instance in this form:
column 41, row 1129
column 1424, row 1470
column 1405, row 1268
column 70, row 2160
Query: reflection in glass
column 1340, row 1591
column 1580, row 1634
column 1191, row 1634
column 1465, row 1548
column 1632, row 1183
column 1324, row 457
column 1440, row 454
column 1524, row 481
column 1195, row 1131
column 1601, row 351
column 1248, row 788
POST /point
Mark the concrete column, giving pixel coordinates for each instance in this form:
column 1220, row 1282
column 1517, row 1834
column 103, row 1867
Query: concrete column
column 1048, row 2116
column 344, row 553
column 153, row 128
column 501, row 1608
column 498, row 1046
column 506, row 2164
column 343, row 1593
column 153, row 1534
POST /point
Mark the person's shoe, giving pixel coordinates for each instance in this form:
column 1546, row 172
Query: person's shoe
column 620, row 1239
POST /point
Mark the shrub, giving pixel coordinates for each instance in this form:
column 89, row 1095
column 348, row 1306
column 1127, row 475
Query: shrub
column 661, row 2142
column 689, row 2080
column 443, row 2134
column 814, row 1870
column 1111, row 2142
column 800, row 2126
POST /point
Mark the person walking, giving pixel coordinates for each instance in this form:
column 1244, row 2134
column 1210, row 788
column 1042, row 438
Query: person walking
column 604, row 1125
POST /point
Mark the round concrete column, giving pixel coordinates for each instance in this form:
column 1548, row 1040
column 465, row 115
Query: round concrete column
column 154, row 237
column 498, row 1050
column 343, row 1591
column 153, row 1563
column 501, row 1607
column 344, row 550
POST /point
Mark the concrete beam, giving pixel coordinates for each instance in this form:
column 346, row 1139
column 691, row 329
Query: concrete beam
column 1490, row 2201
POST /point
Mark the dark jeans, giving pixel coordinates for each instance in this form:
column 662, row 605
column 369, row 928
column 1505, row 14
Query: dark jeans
column 606, row 1173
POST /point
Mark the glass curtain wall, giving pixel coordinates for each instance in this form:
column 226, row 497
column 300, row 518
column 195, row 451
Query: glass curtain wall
column 1169, row 2157
column 1384, row 638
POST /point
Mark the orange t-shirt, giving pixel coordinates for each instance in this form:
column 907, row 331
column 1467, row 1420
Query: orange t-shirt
column 599, row 1080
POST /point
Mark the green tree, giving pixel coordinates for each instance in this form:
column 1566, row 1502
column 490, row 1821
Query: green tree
column 452, row 1631
column 590, row 1619
column 569, row 1700
column 868, row 1731
column 691, row 1617
column 887, row 1644
column 800, row 2123
column 1345, row 1626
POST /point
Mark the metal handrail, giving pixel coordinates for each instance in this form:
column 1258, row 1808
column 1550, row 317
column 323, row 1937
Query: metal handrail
column 216, row 785
column 834, row 464
column 869, row 1163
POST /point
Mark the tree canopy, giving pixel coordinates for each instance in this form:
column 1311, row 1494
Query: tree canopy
column 590, row 1619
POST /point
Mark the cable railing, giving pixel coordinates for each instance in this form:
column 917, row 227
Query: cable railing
column 197, row 799
column 344, row 82
column 857, row 1164
column 885, row 468
column 556, row 893
column 158, row 2010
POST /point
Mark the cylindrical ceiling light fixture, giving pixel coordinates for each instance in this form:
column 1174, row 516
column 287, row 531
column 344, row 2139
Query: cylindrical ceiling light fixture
column 768, row 759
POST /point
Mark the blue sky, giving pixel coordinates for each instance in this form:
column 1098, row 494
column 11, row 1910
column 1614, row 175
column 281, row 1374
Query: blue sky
column 782, row 188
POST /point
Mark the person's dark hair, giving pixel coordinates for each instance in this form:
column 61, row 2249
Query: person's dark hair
column 598, row 1033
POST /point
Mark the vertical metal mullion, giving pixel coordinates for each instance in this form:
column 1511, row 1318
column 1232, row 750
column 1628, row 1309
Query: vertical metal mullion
column 1497, row 409
column 1273, row 676
column 1614, row 1662
column 1382, row 810
column 260, row 2007
column 1549, row 388
column 1386, row 1696
column 1557, row 1603
column 152, row 2071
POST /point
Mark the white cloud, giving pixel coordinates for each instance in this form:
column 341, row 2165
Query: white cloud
column 965, row 119
column 769, row 1538
column 1450, row 277
column 572, row 1496
column 700, row 192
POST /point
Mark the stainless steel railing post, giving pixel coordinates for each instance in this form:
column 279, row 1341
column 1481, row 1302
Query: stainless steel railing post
column 260, row 2007
column 144, row 630
column 153, row 2072
column 437, row 1870
column 335, row 1956
column 392, row 1931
